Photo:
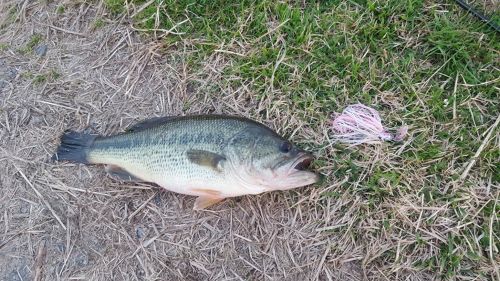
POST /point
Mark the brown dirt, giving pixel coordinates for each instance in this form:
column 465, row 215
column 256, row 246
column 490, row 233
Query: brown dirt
column 71, row 222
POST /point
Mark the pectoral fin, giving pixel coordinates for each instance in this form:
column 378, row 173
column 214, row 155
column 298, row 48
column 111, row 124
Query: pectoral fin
column 205, row 158
column 120, row 174
column 204, row 202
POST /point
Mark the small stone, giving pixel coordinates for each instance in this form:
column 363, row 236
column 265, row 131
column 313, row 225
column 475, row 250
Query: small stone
column 140, row 273
column 24, row 207
column 139, row 232
column 61, row 247
column 157, row 199
column 7, row 74
column 81, row 259
column 11, row 73
column 36, row 120
column 41, row 50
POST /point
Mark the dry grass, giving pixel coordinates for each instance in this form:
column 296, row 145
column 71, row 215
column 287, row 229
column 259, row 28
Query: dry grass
column 71, row 222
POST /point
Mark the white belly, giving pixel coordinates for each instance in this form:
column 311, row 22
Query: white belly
column 189, row 179
column 203, row 184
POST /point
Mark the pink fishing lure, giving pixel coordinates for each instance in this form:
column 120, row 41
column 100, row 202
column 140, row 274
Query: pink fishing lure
column 359, row 124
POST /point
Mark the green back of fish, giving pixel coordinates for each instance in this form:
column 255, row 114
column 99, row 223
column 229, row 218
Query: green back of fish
column 160, row 147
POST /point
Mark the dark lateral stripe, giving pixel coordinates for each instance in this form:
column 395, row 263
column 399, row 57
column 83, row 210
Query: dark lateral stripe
column 141, row 140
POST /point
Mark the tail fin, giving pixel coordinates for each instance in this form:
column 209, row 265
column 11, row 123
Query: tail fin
column 74, row 147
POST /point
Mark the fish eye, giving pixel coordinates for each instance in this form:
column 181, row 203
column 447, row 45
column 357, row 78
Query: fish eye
column 285, row 147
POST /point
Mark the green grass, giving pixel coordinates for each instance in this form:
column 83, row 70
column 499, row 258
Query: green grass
column 60, row 9
column 115, row 6
column 10, row 17
column 42, row 77
column 35, row 39
column 402, row 57
column 98, row 23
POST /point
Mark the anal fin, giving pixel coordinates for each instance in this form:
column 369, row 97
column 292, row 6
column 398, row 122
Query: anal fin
column 120, row 174
column 204, row 202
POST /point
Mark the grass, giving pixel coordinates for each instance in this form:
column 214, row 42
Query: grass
column 43, row 77
column 98, row 23
column 432, row 67
column 60, row 9
column 395, row 211
column 34, row 40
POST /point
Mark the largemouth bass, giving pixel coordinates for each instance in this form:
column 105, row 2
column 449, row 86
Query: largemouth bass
column 209, row 156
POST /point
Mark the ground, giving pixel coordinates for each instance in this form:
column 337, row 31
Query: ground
column 422, row 209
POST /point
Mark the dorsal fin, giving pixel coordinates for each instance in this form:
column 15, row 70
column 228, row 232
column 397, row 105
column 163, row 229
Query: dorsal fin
column 149, row 123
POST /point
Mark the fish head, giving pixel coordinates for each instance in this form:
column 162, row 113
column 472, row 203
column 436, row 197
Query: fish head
column 274, row 163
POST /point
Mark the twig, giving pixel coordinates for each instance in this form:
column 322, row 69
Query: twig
column 229, row 52
column 141, row 207
column 165, row 31
column 40, row 196
column 434, row 74
column 40, row 261
column 455, row 98
column 141, row 8
column 55, row 104
column 65, row 30
column 490, row 248
column 6, row 241
column 482, row 83
column 480, row 149
column 22, row 12
column 272, row 30
column 321, row 262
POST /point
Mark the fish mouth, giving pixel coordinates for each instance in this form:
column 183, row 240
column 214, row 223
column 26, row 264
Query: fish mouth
column 298, row 175
column 302, row 162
